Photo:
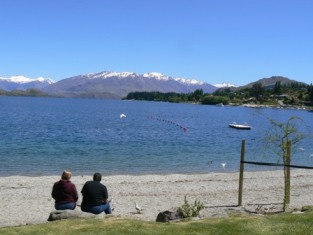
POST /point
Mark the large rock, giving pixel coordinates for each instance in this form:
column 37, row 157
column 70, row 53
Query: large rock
column 171, row 215
column 70, row 214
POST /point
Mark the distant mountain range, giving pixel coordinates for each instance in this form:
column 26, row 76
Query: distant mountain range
column 23, row 83
column 117, row 85
column 106, row 84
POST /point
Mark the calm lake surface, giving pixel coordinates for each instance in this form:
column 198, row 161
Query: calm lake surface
column 44, row 136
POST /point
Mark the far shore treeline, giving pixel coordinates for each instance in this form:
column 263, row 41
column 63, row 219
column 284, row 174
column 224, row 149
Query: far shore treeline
column 292, row 94
column 29, row 92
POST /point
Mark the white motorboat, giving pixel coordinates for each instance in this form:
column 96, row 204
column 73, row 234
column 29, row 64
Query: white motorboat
column 240, row 126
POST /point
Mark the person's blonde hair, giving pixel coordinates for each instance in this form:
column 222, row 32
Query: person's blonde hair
column 66, row 175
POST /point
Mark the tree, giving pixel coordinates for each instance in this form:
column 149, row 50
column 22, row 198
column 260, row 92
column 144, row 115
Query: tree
column 257, row 90
column 310, row 91
column 277, row 88
column 281, row 137
column 198, row 94
column 3, row 92
column 212, row 100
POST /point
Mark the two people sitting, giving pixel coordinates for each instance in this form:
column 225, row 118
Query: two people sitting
column 95, row 195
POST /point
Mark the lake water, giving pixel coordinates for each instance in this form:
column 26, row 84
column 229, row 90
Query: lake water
column 44, row 136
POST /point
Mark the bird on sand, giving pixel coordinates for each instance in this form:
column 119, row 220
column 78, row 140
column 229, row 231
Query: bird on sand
column 111, row 204
column 138, row 209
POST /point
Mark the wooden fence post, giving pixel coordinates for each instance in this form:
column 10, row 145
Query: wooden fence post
column 287, row 176
column 242, row 158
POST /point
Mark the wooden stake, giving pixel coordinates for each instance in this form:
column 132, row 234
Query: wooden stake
column 242, row 158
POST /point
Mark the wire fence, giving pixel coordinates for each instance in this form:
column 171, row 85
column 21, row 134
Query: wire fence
column 276, row 164
column 286, row 169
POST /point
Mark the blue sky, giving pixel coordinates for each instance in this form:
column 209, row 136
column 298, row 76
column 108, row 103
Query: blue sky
column 209, row 40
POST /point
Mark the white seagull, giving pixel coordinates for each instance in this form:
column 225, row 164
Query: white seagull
column 139, row 210
column 223, row 165
column 122, row 115
column 111, row 204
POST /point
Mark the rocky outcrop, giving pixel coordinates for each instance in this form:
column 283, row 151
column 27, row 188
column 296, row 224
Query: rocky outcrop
column 171, row 215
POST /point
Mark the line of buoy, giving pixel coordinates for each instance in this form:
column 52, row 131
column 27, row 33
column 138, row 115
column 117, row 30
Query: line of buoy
column 170, row 122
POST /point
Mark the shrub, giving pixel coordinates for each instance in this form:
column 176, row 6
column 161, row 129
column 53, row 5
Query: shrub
column 188, row 210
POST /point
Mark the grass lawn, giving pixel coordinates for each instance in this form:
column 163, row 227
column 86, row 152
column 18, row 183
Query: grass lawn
column 284, row 223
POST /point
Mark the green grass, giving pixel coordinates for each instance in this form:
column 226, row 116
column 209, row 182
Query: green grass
column 294, row 224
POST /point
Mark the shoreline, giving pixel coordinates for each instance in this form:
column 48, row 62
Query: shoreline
column 224, row 171
column 27, row 199
column 294, row 107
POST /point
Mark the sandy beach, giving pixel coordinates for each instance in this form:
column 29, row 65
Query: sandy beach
column 27, row 200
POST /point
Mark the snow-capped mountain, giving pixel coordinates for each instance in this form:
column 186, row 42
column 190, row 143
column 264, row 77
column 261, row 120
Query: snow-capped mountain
column 224, row 85
column 118, row 84
column 163, row 77
column 153, row 75
column 23, row 83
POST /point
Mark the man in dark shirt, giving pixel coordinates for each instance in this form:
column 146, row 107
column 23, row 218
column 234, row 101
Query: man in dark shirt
column 95, row 196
